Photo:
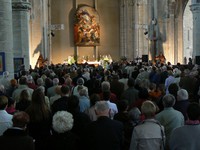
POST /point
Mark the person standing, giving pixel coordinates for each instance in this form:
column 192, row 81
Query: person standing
column 149, row 134
column 169, row 117
column 62, row 137
column 187, row 136
column 16, row 137
column 39, row 126
column 103, row 133
column 5, row 118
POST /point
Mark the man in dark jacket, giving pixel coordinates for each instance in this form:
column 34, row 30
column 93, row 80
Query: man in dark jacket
column 104, row 133
column 16, row 137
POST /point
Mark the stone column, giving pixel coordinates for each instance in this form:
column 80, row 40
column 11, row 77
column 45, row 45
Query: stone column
column 6, row 35
column 141, row 26
column 195, row 8
column 171, row 32
column 122, row 28
column 21, row 17
column 145, row 27
column 127, row 29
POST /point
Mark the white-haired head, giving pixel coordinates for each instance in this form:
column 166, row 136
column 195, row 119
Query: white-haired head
column 182, row 94
column 55, row 81
column 29, row 79
column 176, row 72
column 41, row 88
column 40, row 81
column 164, row 68
column 105, row 86
column 62, row 121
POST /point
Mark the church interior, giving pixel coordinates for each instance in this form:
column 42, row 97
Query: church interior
column 91, row 30
column 99, row 74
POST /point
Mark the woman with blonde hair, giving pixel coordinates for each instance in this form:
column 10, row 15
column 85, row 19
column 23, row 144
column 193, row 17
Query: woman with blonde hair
column 149, row 134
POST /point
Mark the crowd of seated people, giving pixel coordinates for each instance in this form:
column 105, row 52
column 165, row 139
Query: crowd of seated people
column 105, row 107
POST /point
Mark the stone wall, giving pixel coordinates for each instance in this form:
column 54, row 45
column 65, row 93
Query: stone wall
column 62, row 12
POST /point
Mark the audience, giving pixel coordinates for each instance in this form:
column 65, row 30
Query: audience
column 16, row 137
column 52, row 99
column 42, row 89
column 131, row 94
column 98, row 80
column 169, row 117
column 62, row 138
column 24, row 101
column 22, row 85
column 103, row 133
column 105, row 87
column 5, row 118
column 116, row 87
column 11, row 106
column 124, row 80
column 149, row 134
column 61, row 103
column 30, row 82
column 40, row 119
column 112, row 106
column 182, row 102
column 169, row 80
column 187, row 136
column 12, row 87
column 84, row 101
column 51, row 90
column 81, row 120
column 80, row 84
column 123, row 117
column 91, row 111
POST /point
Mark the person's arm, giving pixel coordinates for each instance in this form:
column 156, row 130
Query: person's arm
column 133, row 144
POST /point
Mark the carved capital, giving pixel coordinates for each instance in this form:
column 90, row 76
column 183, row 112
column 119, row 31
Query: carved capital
column 21, row 6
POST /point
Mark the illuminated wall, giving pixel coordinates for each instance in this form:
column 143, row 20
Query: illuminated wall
column 62, row 12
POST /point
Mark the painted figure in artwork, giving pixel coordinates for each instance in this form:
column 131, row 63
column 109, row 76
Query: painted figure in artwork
column 86, row 27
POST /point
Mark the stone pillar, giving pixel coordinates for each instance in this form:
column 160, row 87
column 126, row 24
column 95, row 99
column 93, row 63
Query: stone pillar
column 195, row 8
column 140, row 22
column 21, row 17
column 171, row 32
column 145, row 27
column 123, row 28
column 127, row 29
column 6, row 35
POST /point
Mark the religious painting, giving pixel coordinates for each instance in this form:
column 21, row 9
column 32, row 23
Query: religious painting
column 2, row 62
column 18, row 62
column 86, row 27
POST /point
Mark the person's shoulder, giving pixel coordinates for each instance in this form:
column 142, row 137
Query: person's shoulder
column 116, row 123
column 159, row 115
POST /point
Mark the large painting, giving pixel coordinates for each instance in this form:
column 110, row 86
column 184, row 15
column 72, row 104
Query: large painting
column 2, row 62
column 86, row 27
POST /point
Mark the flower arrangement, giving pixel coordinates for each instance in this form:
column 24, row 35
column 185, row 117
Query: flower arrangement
column 70, row 60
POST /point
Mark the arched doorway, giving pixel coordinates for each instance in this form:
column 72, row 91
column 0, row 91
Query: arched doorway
column 187, row 32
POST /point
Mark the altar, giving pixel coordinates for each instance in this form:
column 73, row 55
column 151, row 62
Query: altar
column 95, row 63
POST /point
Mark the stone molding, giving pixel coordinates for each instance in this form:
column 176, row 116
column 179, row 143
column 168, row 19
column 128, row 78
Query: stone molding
column 21, row 6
